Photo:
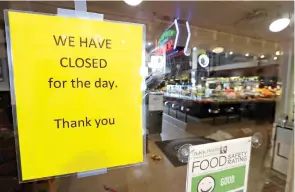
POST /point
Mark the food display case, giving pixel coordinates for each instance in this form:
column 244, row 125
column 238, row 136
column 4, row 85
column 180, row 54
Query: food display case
column 226, row 92
column 232, row 88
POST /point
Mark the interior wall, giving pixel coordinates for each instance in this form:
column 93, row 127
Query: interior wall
column 4, row 85
column 285, row 104
column 292, row 93
column 266, row 71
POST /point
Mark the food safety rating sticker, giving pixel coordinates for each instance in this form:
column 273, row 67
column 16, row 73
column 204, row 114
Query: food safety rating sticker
column 219, row 167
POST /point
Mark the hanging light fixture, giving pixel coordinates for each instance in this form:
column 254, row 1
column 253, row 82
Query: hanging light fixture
column 133, row 2
column 218, row 50
column 280, row 24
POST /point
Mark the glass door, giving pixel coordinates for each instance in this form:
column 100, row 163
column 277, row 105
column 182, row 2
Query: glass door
column 209, row 78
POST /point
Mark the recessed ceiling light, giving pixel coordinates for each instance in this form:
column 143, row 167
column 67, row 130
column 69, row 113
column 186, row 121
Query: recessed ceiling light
column 278, row 53
column 231, row 53
column 149, row 43
column 247, row 54
column 262, row 56
column 275, row 58
column 218, row 50
column 133, row 2
column 279, row 24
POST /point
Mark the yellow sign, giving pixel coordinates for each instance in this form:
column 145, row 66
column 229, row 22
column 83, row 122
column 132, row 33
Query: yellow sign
column 78, row 98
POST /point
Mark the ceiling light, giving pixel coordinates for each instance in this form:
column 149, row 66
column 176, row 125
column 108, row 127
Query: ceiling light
column 262, row 56
column 231, row 53
column 275, row 58
column 279, row 24
column 194, row 48
column 133, row 2
column 149, row 43
column 247, row 54
column 218, row 50
column 278, row 53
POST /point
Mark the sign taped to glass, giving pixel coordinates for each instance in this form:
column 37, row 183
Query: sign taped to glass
column 65, row 109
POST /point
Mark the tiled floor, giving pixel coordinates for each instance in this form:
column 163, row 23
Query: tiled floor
column 161, row 176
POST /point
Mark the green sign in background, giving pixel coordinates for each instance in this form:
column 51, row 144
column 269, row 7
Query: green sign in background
column 238, row 173
column 166, row 36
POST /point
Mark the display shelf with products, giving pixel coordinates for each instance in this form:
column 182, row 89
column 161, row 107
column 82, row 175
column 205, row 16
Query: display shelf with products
column 247, row 94
column 225, row 89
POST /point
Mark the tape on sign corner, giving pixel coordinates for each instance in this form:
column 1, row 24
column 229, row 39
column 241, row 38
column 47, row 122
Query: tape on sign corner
column 79, row 14
column 91, row 173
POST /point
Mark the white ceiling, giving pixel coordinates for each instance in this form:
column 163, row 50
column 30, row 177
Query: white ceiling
column 225, row 16
column 215, row 16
